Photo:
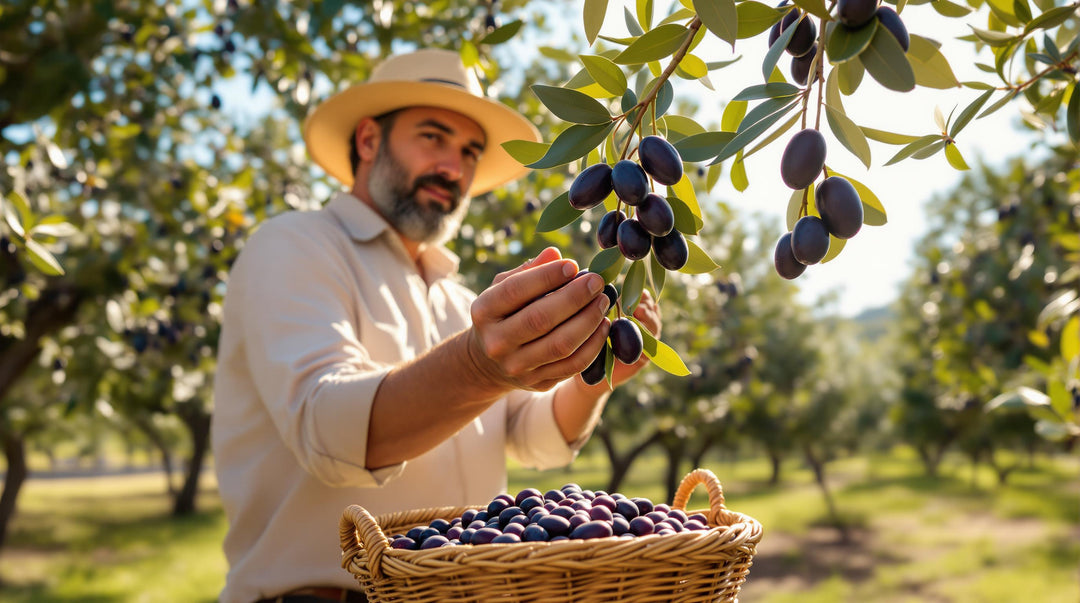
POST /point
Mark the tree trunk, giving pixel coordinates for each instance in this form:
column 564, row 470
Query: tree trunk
column 818, row 466
column 620, row 463
column 144, row 425
column 17, row 472
column 774, row 459
column 698, row 457
column 198, row 423
column 676, row 451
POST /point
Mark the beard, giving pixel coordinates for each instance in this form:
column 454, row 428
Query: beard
column 395, row 198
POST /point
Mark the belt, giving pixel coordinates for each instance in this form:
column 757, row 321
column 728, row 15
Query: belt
column 318, row 594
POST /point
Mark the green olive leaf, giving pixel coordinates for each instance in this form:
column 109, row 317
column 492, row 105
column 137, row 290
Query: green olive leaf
column 525, row 151
column 605, row 73
column 572, row 106
column 593, row 18
column 888, row 137
column 720, row 17
column 685, row 220
column 607, row 263
column 844, row 43
column 557, row 214
column 969, row 113
column 654, row 45
column 573, row 143
column 814, row 7
column 849, row 134
column 503, row 33
column 913, row 147
column 665, row 358
column 955, row 159
column 1072, row 114
column 42, row 259
column 700, row 147
column 657, row 277
column 633, row 285
column 835, row 247
column 886, row 62
column 699, row 262
column 773, row 55
column 755, row 17
column 931, row 68
column 760, row 91
column 849, row 76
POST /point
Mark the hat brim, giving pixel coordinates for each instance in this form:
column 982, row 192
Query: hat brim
column 328, row 129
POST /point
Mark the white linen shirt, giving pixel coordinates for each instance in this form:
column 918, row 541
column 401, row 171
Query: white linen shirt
column 320, row 306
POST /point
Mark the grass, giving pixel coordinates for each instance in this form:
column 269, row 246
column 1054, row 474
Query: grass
column 956, row 538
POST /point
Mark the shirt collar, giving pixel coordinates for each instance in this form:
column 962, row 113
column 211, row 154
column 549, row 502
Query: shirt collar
column 364, row 224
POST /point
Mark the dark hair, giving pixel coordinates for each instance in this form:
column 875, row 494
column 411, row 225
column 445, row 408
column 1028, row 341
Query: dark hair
column 386, row 123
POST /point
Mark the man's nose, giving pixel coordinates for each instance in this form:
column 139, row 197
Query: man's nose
column 451, row 167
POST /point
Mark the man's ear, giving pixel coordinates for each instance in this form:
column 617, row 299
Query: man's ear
column 368, row 137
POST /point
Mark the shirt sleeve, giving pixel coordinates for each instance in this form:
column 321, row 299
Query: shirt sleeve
column 533, row 437
column 316, row 380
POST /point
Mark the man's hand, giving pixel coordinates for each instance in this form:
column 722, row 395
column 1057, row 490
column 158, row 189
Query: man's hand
column 537, row 325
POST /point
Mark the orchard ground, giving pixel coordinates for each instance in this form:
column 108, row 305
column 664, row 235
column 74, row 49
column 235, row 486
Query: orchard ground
column 956, row 538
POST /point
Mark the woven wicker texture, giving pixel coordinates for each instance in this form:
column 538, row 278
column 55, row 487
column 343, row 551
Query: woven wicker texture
column 688, row 566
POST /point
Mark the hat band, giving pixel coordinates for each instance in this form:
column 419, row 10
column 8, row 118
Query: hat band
column 442, row 81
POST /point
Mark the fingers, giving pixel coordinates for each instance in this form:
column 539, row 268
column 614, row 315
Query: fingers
column 540, row 317
column 564, row 347
column 526, row 284
column 549, row 254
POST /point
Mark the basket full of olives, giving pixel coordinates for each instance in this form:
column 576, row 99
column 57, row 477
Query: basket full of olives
column 567, row 545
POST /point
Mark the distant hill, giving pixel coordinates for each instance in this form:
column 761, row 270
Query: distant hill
column 873, row 323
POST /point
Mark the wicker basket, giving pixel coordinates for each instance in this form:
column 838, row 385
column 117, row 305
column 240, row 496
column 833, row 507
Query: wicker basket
column 697, row 566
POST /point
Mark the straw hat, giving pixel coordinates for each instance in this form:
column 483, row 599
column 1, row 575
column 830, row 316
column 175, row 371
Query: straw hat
column 432, row 78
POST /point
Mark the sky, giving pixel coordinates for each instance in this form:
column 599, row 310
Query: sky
column 873, row 264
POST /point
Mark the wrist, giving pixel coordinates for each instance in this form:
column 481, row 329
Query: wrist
column 479, row 368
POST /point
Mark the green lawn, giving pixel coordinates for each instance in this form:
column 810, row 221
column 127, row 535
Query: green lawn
column 956, row 538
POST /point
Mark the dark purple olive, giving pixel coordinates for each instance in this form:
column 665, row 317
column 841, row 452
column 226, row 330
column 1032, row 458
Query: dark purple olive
column 527, row 493
column 642, row 526
column 856, row 13
column 597, row 369
column 892, row 22
column 506, row 539
column 555, row 525
column 454, row 532
column 579, row 519
column 626, row 508
column 414, row 533
column 581, row 505
column 607, row 232
column 468, row 516
column 660, row 160
column 571, row 487
column 784, row 260
column 803, row 159
column 619, row 525
column 466, row 536
column 439, row 524
column 644, row 505
column 497, row 505
column 656, row 215
column 564, row 511
column 698, row 517
column 656, row 517
column 534, row 533
column 592, row 529
column 517, row 529
column 662, row 507
column 604, row 500
column 404, row 543
column 428, row 532
column 591, row 186
column 800, row 66
column 774, row 33
column 531, row 502
column 629, row 182
column 805, row 32
column 671, row 250
column 809, row 240
column 612, row 294
column 601, row 513
column 840, row 207
column 695, row 525
column 626, row 341
column 555, row 495
column 678, row 514
column 634, row 240
column 509, row 512
column 485, row 535
column 434, row 542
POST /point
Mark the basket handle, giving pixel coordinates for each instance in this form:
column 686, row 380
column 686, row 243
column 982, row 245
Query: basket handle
column 712, row 484
column 360, row 530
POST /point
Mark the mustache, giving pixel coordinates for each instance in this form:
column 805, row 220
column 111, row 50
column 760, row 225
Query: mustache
column 436, row 180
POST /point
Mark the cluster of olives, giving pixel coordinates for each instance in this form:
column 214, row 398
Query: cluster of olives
column 568, row 513
column 802, row 46
column 838, row 204
column 650, row 225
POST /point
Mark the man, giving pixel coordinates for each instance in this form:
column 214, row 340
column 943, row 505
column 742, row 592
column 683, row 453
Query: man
column 354, row 369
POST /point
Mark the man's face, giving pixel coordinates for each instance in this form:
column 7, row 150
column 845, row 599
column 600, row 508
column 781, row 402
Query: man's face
column 422, row 170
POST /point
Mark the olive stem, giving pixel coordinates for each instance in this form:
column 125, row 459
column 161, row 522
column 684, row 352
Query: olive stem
column 676, row 58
